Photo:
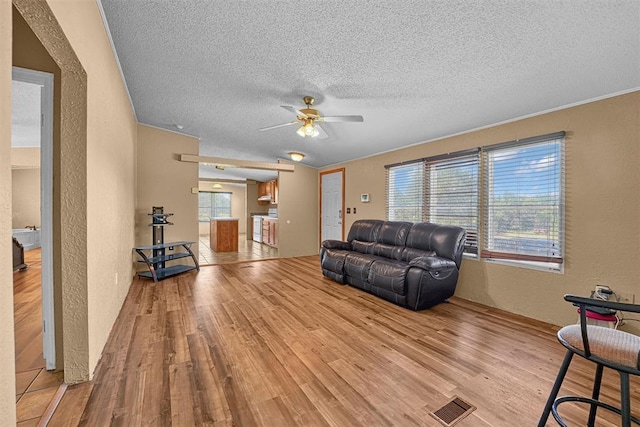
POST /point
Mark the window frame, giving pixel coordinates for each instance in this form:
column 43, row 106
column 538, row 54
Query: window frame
column 553, row 262
column 546, row 263
column 212, row 207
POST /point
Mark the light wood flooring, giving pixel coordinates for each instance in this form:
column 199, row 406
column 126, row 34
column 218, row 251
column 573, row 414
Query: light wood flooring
column 274, row 343
column 248, row 250
column 35, row 387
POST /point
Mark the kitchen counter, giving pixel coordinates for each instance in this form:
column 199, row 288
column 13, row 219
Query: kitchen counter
column 223, row 234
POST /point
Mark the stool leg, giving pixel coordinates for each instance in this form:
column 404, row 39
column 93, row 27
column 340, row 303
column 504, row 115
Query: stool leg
column 556, row 388
column 625, row 406
column 596, row 394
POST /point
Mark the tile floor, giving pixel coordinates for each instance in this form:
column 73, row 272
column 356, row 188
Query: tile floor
column 248, row 250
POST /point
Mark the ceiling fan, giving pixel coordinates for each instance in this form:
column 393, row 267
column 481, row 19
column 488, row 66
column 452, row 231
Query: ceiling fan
column 310, row 118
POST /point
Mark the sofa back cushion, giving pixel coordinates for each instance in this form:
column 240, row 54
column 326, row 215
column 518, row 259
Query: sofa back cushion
column 364, row 230
column 394, row 233
column 408, row 254
column 387, row 251
column 362, row 247
column 446, row 241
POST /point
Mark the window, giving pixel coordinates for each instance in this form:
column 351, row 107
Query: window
column 452, row 195
column 524, row 201
column 404, row 192
column 441, row 190
column 211, row 205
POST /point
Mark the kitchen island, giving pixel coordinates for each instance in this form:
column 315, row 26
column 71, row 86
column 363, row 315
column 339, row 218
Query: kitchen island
column 223, row 234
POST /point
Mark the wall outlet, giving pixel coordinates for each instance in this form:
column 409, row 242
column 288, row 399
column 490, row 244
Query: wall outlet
column 627, row 298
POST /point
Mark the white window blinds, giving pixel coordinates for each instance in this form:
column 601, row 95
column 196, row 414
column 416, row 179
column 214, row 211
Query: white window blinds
column 451, row 195
column 524, row 200
column 405, row 192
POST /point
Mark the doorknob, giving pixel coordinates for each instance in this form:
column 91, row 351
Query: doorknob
column 340, row 213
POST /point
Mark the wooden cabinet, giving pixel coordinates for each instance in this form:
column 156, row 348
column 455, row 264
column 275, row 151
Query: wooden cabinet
column 270, row 232
column 268, row 192
column 223, row 235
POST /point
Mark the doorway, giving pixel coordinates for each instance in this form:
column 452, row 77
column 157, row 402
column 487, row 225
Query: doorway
column 32, row 169
column 332, row 205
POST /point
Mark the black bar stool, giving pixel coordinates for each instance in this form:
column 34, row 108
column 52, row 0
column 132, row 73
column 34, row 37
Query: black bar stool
column 605, row 347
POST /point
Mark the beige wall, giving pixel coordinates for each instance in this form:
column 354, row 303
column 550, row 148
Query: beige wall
column 165, row 181
column 238, row 204
column 602, row 207
column 298, row 212
column 25, row 197
column 25, row 157
column 7, row 352
column 94, row 174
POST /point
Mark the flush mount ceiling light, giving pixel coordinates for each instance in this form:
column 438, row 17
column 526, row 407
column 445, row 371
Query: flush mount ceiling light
column 295, row 156
column 220, row 167
column 217, row 186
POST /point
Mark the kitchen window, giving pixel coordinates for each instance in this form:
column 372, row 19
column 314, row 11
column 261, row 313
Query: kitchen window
column 213, row 205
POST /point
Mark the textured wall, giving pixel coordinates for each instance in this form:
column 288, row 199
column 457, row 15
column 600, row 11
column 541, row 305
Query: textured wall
column 25, row 197
column 165, row 181
column 298, row 212
column 602, row 207
column 7, row 367
column 96, row 158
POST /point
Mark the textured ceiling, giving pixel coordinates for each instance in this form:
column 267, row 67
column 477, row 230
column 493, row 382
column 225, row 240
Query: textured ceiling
column 416, row 70
column 25, row 114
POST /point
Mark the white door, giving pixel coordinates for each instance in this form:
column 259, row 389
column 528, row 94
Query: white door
column 34, row 89
column 332, row 209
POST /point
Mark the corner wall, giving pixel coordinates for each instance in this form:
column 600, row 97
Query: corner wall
column 163, row 180
column 298, row 212
column 601, row 216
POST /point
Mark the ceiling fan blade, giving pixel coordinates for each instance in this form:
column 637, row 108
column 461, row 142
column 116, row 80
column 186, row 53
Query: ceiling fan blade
column 334, row 119
column 294, row 110
column 321, row 133
column 279, row 126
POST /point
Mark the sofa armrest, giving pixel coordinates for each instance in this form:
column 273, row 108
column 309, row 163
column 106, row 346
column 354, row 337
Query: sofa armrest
column 336, row 244
column 432, row 263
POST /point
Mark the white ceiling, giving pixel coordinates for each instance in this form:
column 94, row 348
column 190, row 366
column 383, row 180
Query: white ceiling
column 416, row 70
column 25, row 114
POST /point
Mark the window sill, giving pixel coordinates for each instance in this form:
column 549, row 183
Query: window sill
column 531, row 265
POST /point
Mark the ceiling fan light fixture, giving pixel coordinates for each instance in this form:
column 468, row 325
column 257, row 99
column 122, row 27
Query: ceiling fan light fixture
column 301, row 131
column 295, row 156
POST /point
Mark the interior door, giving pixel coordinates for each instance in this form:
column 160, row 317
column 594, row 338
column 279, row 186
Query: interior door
column 332, row 205
column 26, row 83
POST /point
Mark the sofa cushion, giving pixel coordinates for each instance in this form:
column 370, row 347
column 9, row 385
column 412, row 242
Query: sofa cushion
column 447, row 241
column 362, row 247
column 365, row 230
column 357, row 265
column 333, row 260
column 387, row 251
column 394, row 233
column 389, row 275
column 409, row 254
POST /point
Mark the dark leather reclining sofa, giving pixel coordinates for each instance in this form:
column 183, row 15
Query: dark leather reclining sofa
column 414, row 265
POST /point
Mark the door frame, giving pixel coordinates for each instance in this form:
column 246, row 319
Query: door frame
column 342, row 174
column 45, row 80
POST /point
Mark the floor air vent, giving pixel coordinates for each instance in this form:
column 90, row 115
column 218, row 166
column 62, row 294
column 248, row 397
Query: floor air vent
column 453, row 412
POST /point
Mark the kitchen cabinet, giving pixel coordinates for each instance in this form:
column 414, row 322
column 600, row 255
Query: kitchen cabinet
column 268, row 192
column 270, row 232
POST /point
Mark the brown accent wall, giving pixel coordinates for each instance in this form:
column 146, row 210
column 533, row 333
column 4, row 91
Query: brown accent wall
column 602, row 207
